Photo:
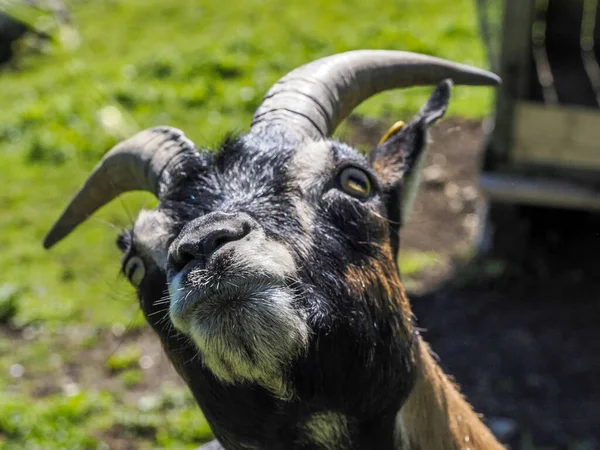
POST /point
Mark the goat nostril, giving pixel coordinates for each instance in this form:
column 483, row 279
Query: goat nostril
column 219, row 242
column 246, row 229
column 181, row 257
column 199, row 245
column 219, row 238
column 184, row 257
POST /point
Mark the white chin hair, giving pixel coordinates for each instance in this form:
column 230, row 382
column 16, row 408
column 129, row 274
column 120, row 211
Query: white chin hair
column 250, row 339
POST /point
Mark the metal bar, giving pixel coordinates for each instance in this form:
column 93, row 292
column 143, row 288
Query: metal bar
column 514, row 66
column 564, row 21
column 588, row 53
column 540, row 192
column 540, row 55
column 485, row 29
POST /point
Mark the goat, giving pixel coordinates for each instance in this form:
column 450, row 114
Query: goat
column 275, row 257
column 13, row 26
column 11, row 30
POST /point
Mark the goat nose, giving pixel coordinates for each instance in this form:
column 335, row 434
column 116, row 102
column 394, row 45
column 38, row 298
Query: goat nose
column 204, row 236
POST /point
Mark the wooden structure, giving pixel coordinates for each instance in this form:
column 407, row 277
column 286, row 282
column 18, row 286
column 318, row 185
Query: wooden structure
column 543, row 146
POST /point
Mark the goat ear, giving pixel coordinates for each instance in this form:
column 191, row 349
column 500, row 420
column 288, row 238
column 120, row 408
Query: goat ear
column 398, row 158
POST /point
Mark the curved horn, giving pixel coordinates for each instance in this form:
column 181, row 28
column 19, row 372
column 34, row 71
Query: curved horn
column 140, row 163
column 313, row 99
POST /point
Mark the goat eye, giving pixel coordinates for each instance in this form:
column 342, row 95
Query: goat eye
column 135, row 270
column 355, row 182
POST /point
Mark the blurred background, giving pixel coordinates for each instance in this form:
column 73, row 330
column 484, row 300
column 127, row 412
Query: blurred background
column 500, row 257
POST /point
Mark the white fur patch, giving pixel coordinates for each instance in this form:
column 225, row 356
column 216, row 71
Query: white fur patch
column 328, row 431
column 151, row 233
column 400, row 432
column 305, row 214
column 309, row 168
column 253, row 341
column 306, row 217
column 310, row 163
column 266, row 256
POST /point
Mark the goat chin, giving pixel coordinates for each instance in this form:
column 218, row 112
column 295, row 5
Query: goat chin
column 251, row 335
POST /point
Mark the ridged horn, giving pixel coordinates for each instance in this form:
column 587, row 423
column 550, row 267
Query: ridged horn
column 313, row 99
column 143, row 162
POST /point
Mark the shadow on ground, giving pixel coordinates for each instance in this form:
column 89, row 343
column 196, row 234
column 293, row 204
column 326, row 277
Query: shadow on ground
column 519, row 331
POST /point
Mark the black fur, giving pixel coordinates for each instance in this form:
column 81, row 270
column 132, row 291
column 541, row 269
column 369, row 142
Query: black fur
column 359, row 361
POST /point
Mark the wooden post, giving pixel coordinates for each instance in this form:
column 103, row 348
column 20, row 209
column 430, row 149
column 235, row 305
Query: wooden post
column 515, row 61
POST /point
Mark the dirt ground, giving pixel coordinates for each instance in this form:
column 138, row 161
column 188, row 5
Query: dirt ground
column 517, row 327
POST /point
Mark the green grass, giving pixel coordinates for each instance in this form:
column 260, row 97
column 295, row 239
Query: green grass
column 202, row 66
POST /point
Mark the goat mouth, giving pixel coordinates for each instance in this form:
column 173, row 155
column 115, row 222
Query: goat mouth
column 214, row 297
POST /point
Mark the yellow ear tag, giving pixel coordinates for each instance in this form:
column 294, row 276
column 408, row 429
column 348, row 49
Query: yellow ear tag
column 393, row 130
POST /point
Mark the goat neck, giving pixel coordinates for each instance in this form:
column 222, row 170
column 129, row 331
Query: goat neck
column 436, row 415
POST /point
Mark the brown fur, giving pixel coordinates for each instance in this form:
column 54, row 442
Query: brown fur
column 380, row 278
column 388, row 167
column 435, row 416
